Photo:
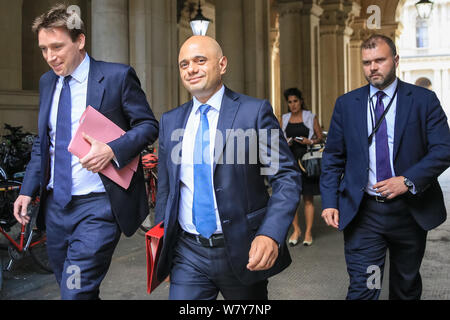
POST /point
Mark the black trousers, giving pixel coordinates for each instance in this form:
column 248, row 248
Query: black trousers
column 376, row 228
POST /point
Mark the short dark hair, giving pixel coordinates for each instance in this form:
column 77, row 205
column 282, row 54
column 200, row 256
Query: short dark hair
column 295, row 92
column 373, row 40
column 58, row 17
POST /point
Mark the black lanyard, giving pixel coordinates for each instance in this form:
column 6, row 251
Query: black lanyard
column 372, row 115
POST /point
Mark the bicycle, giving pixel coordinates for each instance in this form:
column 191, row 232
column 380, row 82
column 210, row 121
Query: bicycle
column 150, row 163
column 29, row 240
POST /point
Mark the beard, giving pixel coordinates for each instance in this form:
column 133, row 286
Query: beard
column 383, row 81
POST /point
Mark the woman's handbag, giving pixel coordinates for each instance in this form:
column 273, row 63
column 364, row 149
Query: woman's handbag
column 311, row 161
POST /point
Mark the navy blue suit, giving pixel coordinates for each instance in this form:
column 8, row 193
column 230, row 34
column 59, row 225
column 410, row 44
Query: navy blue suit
column 114, row 90
column 244, row 205
column 421, row 154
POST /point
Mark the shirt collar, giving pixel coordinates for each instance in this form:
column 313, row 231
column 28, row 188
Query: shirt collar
column 389, row 91
column 215, row 101
column 82, row 71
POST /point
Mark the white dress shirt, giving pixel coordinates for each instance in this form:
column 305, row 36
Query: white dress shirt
column 83, row 181
column 371, row 122
column 187, row 160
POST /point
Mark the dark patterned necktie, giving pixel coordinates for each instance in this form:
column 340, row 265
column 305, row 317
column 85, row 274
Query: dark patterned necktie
column 383, row 163
column 62, row 180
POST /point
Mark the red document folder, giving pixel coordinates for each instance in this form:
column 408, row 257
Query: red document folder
column 96, row 125
column 153, row 245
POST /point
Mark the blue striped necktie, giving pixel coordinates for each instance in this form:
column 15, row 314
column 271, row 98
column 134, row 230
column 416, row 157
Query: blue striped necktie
column 62, row 180
column 204, row 216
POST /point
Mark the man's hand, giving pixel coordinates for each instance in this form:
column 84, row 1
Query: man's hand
column 391, row 188
column 263, row 254
column 331, row 217
column 305, row 142
column 98, row 157
column 21, row 208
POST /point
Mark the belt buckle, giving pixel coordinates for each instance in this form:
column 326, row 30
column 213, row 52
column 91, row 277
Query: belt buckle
column 380, row 199
column 197, row 238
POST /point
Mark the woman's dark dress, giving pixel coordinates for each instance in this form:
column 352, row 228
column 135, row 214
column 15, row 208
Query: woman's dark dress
column 310, row 186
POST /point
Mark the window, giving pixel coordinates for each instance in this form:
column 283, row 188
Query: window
column 421, row 33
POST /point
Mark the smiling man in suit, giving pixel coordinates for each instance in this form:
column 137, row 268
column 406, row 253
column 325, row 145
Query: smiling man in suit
column 388, row 143
column 223, row 232
column 84, row 212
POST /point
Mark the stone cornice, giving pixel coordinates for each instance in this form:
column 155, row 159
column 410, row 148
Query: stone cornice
column 340, row 12
column 288, row 8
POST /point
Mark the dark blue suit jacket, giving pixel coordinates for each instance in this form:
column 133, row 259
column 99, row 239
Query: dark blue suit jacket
column 115, row 91
column 244, row 205
column 421, row 153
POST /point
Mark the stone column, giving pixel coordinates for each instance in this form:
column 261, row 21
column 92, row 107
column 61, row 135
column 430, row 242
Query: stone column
column 356, row 74
column 437, row 82
column 407, row 76
column 256, row 50
column 446, row 92
column 11, row 38
column 300, row 54
column 291, row 54
column 275, row 78
column 335, row 49
column 110, row 39
column 230, row 35
column 153, row 51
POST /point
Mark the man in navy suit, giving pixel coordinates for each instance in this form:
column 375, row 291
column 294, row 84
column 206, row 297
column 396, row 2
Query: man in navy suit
column 83, row 211
column 223, row 232
column 388, row 143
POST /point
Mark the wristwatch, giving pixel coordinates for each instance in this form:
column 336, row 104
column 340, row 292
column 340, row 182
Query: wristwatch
column 409, row 184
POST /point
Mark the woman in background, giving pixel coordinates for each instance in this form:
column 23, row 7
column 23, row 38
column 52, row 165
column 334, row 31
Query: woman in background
column 301, row 128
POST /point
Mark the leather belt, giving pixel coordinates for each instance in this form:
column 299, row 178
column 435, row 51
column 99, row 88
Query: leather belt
column 88, row 196
column 216, row 240
column 380, row 199
column 84, row 196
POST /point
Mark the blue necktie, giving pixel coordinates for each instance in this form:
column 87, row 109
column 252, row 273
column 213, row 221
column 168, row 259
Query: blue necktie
column 384, row 171
column 204, row 215
column 62, row 180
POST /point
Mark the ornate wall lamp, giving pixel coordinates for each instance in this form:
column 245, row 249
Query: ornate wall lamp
column 199, row 24
column 424, row 8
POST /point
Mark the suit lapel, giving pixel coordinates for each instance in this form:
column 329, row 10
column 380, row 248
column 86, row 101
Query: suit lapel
column 361, row 121
column 46, row 104
column 228, row 111
column 404, row 102
column 181, row 121
column 95, row 89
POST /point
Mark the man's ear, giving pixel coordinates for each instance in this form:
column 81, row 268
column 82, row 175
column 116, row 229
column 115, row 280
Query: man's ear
column 81, row 42
column 223, row 63
column 397, row 60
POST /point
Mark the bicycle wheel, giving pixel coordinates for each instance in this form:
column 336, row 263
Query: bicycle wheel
column 38, row 242
column 1, row 273
column 38, row 251
column 153, row 184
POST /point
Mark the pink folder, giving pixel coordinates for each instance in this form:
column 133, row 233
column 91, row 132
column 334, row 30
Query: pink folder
column 96, row 125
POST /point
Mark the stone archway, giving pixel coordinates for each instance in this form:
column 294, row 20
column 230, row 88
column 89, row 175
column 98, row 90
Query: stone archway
column 424, row 82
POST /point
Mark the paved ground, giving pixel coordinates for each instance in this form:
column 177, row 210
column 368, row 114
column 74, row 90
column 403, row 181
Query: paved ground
column 317, row 272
